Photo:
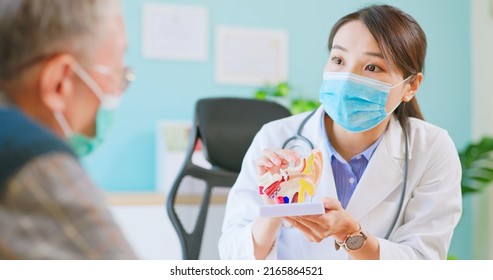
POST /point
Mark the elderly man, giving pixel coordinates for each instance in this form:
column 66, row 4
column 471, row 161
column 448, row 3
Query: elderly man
column 61, row 77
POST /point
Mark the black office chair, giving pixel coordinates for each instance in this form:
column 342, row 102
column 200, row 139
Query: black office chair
column 226, row 127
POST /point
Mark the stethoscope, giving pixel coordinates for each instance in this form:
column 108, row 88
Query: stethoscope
column 299, row 136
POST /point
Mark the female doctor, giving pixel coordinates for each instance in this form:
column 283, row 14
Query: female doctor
column 390, row 182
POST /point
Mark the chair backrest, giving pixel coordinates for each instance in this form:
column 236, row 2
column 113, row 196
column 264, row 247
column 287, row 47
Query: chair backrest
column 227, row 127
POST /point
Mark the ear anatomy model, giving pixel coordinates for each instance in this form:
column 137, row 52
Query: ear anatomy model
column 295, row 184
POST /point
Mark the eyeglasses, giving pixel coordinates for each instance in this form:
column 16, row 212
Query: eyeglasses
column 125, row 76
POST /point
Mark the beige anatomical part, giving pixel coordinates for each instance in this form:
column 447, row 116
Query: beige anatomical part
column 294, row 184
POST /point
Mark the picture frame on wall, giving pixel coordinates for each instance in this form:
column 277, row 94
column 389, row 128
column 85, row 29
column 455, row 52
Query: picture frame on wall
column 251, row 56
column 175, row 32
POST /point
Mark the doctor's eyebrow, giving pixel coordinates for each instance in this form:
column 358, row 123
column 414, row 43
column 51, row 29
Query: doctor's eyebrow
column 339, row 48
column 374, row 54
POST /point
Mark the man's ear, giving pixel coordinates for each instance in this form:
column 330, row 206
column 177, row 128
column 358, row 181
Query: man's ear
column 56, row 82
column 413, row 87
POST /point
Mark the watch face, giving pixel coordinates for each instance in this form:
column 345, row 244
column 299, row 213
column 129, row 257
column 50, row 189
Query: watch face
column 355, row 242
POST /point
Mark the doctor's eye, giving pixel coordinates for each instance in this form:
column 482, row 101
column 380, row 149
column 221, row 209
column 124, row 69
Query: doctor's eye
column 373, row 68
column 336, row 60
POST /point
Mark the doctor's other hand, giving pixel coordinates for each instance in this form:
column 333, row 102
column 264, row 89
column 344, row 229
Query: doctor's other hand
column 336, row 222
column 273, row 161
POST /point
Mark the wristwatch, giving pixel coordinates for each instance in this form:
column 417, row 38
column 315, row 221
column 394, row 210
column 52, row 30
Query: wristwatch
column 353, row 241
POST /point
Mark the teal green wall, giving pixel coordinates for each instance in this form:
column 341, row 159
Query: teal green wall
column 168, row 89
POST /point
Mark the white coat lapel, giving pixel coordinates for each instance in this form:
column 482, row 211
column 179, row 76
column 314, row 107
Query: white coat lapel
column 383, row 174
column 326, row 187
column 313, row 131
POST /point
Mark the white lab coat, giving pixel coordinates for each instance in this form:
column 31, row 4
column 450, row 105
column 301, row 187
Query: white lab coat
column 432, row 204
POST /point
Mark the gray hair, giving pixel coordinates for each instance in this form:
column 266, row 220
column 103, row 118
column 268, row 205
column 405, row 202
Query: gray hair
column 31, row 30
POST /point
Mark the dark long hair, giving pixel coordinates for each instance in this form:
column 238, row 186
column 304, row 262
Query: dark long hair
column 402, row 42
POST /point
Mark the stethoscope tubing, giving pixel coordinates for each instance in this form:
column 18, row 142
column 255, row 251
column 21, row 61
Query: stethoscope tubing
column 299, row 133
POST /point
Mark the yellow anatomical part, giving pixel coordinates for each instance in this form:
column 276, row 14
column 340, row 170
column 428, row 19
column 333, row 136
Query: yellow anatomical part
column 306, row 188
column 309, row 164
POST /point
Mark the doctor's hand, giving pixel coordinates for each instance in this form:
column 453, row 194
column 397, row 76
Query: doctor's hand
column 274, row 161
column 335, row 222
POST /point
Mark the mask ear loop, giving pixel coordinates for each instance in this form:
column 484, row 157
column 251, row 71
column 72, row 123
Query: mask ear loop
column 403, row 81
column 84, row 76
column 108, row 101
column 89, row 81
column 62, row 122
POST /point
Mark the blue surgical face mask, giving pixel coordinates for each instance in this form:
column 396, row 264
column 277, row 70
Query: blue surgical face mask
column 355, row 102
column 82, row 144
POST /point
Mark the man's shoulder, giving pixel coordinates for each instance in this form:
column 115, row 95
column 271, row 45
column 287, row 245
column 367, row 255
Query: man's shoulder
column 22, row 140
column 55, row 174
column 54, row 199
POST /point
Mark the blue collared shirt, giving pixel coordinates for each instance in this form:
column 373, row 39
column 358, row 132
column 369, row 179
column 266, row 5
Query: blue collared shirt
column 347, row 175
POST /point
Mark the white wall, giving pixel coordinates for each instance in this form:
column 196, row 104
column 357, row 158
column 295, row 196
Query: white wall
column 149, row 230
column 482, row 110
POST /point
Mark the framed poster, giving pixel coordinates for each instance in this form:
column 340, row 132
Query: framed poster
column 175, row 32
column 251, row 56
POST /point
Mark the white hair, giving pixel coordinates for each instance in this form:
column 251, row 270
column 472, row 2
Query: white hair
column 31, row 30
